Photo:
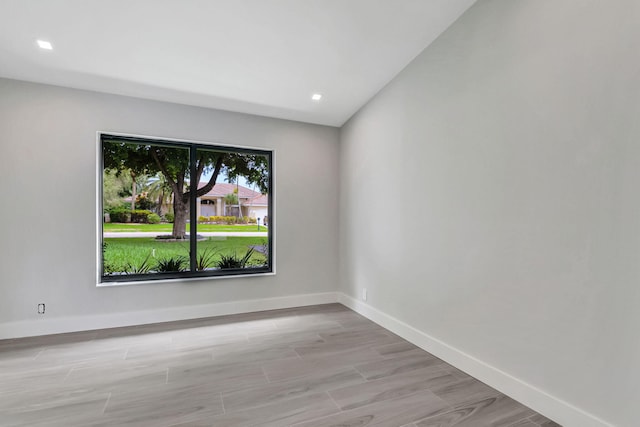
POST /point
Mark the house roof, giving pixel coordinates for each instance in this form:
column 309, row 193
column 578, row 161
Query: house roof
column 221, row 189
column 261, row 200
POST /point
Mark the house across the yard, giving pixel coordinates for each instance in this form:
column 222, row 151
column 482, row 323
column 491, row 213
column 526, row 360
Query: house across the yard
column 253, row 203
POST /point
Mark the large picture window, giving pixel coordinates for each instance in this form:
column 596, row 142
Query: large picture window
column 177, row 209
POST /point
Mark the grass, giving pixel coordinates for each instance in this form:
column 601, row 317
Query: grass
column 123, row 252
column 167, row 228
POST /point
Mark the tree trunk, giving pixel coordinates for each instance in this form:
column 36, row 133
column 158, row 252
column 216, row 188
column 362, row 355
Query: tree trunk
column 238, row 193
column 180, row 209
column 161, row 203
column 133, row 190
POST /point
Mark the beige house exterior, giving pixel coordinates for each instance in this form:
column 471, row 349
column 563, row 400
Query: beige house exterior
column 253, row 204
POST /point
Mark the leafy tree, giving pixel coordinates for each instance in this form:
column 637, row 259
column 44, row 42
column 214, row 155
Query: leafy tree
column 172, row 163
column 114, row 189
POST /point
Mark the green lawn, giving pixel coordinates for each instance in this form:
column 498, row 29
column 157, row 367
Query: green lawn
column 166, row 228
column 119, row 252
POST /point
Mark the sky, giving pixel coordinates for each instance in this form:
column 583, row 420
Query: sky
column 222, row 177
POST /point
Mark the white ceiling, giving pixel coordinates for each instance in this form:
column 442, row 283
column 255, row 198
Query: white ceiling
column 264, row 57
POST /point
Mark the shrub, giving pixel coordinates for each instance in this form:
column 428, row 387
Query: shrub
column 142, row 268
column 230, row 220
column 120, row 215
column 262, row 255
column 205, row 259
column 232, row 261
column 203, row 218
column 169, row 216
column 171, row 264
column 153, row 218
column 140, row 215
column 107, row 267
column 252, row 220
column 143, row 203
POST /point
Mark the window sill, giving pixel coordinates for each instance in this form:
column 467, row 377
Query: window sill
column 179, row 280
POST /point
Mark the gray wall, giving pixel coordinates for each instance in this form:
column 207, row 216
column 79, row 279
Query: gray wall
column 48, row 216
column 504, row 169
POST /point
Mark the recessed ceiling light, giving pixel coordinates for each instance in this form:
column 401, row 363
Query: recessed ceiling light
column 316, row 96
column 45, row 44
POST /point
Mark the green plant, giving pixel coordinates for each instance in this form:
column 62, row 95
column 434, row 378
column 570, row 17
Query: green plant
column 140, row 215
column 107, row 267
column 153, row 218
column 230, row 220
column 142, row 268
column 232, row 261
column 203, row 218
column 143, row 202
column 119, row 215
column 205, row 259
column 262, row 258
column 231, row 198
column 171, row 264
column 265, row 252
column 122, row 250
column 169, row 216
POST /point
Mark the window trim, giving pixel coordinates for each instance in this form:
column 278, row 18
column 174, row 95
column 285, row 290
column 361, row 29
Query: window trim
column 174, row 277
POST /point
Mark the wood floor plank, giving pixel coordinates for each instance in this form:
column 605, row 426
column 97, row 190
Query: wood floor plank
column 284, row 369
column 392, row 350
column 389, row 413
column 164, row 405
column 230, row 354
column 291, row 339
column 281, row 413
column 543, row 422
column 53, row 356
column 14, row 381
column 524, row 423
column 499, row 411
column 344, row 355
column 332, row 345
column 408, row 361
column 389, row 388
column 464, row 391
column 289, row 389
column 114, row 376
column 222, row 377
column 75, row 411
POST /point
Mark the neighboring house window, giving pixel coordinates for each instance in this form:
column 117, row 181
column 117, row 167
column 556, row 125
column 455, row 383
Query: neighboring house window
column 177, row 209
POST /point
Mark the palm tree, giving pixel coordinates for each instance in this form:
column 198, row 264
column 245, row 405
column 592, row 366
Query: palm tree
column 158, row 188
column 231, row 199
column 234, row 180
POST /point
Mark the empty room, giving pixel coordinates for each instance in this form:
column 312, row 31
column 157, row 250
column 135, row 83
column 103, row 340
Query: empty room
column 315, row 213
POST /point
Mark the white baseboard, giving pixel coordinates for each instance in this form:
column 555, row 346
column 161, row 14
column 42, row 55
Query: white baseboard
column 57, row 325
column 538, row 400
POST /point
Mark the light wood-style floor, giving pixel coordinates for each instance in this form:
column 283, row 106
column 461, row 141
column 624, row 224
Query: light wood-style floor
column 313, row 366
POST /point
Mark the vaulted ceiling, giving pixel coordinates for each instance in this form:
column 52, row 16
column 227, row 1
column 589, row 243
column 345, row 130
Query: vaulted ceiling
column 265, row 57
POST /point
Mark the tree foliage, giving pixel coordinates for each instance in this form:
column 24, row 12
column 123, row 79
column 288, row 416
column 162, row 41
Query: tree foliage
column 114, row 189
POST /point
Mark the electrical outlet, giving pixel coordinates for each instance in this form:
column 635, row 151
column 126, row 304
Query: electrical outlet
column 364, row 294
column 41, row 308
